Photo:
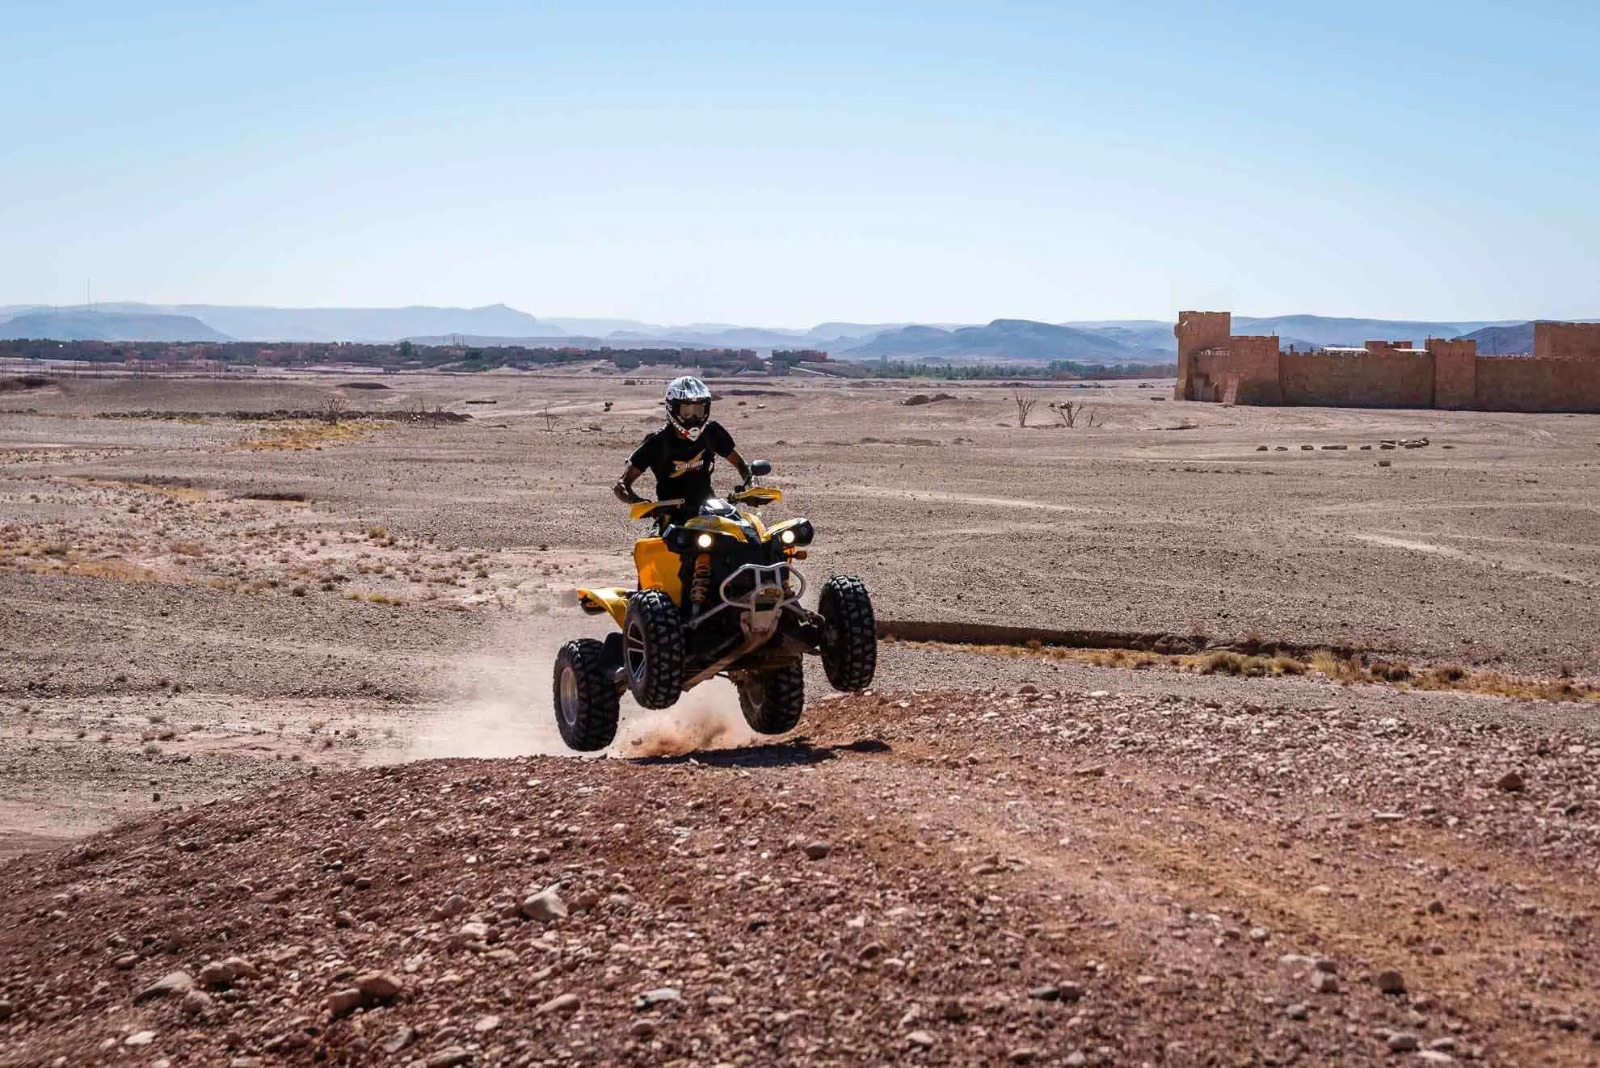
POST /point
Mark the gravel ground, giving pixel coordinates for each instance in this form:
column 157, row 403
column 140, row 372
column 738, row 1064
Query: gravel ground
column 224, row 644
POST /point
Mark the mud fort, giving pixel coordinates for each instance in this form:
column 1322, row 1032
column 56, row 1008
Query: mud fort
column 1562, row 374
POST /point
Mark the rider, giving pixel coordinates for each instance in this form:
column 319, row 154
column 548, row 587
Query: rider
column 682, row 453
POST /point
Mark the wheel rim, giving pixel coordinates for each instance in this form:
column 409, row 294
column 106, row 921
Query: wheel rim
column 633, row 652
column 569, row 695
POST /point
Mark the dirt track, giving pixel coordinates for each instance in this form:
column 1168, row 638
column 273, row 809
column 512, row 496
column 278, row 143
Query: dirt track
column 1029, row 877
column 207, row 609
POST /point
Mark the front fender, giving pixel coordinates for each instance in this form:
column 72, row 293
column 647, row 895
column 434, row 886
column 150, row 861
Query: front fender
column 610, row 599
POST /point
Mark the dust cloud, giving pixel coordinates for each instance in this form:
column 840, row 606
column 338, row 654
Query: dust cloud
column 501, row 704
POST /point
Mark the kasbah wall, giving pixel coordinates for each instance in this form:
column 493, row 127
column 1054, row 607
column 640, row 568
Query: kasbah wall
column 1562, row 375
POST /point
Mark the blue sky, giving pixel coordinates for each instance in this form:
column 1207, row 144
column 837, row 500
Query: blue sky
column 786, row 164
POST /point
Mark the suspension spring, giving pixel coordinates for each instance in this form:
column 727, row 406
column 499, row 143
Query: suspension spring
column 700, row 586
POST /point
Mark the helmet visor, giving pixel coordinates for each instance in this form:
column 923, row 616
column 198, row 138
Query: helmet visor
column 692, row 413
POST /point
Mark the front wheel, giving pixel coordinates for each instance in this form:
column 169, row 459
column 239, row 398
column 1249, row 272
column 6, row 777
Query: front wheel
column 652, row 649
column 585, row 696
column 772, row 700
column 849, row 633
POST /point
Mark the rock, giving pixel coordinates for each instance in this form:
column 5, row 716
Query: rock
column 1045, row 993
column 1327, row 964
column 1297, row 1011
column 560, row 1003
column 1094, row 771
column 1324, row 982
column 5, row 1011
column 1512, row 782
column 818, row 850
column 195, row 1003
column 1259, row 934
column 343, row 1002
column 242, row 969
column 642, row 1029
column 546, row 906
column 1022, row 1055
column 454, row 905
column 1390, row 981
column 920, row 1038
column 1071, row 991
column 399, row 1040
column 379, row 986
column 486, row 1024
column 140, row 1038
column 217, row 973
column 1435, row 1056
column 177, row 982
column 651, row 998
column 449, row 1058
column 1402, row 1042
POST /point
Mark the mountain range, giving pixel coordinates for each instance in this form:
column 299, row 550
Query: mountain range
column 1109, row 341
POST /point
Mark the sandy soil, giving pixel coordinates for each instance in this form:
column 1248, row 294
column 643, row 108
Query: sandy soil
column 206, row 616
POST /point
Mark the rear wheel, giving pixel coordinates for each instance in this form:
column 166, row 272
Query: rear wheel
column 772, row 700
column 652, row 649
column 849, row 633
column 585, row 695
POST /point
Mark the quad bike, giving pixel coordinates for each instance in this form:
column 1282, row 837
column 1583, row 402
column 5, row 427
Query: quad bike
column 717, row 595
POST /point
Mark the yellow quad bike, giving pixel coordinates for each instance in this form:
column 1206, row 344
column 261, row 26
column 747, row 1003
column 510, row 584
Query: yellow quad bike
column 717, row 595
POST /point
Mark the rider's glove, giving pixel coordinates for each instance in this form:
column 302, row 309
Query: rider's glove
column 625, row 493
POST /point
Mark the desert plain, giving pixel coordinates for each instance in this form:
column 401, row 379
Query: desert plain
column 1201, row 735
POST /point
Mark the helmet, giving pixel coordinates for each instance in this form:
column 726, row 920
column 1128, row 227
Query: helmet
column 688, row 404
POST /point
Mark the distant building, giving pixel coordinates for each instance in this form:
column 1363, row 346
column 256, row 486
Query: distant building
column 1561, row 375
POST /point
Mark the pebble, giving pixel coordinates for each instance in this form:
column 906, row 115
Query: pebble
column 642, row 1029
column 1512, row 782
column 195, row 1003
column 5, row 1011
column 817, row 850
column 1435, row 1056
column 217, row 973
column 454, row 905
column 140, row 1038
column 1324, row 982
column 399, row 1040
column 651, row 998
column 1022, row 1055
column 559, row 1003
column 1045, row 993
column 341, row 1002
column 486, row 1024
column 920, row 1038
column 1297, row 1011
column 379, row 986
column 1390, row 981
column 1402, row 1042
column 449, row 1058
column 546, row 906
column 177, row 982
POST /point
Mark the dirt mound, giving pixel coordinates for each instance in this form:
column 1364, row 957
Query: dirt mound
column 1025, row 877
column 22, row 383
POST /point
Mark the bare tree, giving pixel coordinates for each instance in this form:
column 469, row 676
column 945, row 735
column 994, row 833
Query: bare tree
column 1024, row 407
column 550, row 418
column 1067, row 412
column 335, row 408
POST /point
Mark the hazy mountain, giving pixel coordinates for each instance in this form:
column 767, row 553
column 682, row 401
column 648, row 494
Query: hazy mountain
column 82, row 324
column 372, row 325
column 1322, row 331
column 1495, row 340
column 1003, row 339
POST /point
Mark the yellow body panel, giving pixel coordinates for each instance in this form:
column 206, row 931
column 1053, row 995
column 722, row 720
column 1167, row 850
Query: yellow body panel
column 613, row 600
column 658, row 568
column 717, row 524
column 757, row 496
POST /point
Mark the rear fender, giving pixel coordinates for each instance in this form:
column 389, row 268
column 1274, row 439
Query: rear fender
column 612, row 600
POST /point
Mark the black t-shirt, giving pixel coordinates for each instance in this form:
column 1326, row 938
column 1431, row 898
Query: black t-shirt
column 682, row 467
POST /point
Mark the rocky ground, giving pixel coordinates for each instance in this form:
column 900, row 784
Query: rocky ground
column 1027, row 877
column 239, row 634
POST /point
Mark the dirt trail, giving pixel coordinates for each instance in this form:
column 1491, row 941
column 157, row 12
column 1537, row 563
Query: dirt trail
column 1015, row 877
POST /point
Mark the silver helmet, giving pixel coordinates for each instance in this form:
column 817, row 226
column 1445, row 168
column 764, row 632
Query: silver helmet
column 688, row 404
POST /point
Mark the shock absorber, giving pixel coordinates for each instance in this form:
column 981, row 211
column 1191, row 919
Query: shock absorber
column 700, row 584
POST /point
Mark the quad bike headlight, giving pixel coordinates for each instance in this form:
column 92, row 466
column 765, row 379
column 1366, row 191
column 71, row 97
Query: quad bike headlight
column 788, row 536
column 705, row 541
column 799, row 534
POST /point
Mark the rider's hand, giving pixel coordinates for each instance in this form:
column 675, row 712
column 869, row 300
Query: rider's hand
column 625, row 493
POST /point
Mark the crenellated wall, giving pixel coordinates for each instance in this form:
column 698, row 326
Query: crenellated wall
column 1384, row 379
column 1563, row 375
